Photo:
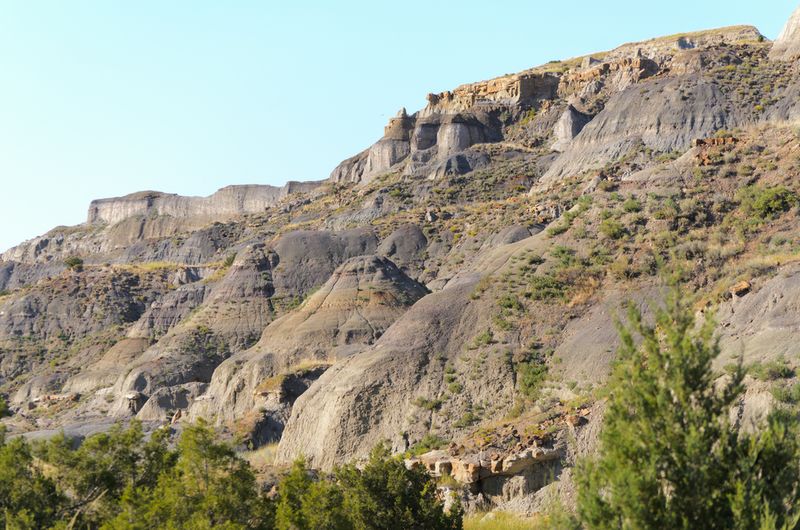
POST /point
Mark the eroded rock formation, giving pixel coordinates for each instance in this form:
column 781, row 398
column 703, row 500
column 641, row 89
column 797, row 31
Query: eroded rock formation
column 228, row 202
column 787, row 46
column 464, row 271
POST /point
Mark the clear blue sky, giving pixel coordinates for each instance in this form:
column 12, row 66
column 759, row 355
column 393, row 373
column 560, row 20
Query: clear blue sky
column 103, row 98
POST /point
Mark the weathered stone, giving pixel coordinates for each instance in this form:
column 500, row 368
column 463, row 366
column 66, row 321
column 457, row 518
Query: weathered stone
column 568, row 127
column 740, row 289
column 787, row 46
column 228, row 202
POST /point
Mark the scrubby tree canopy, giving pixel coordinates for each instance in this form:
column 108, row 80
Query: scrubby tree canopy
column 125, row 480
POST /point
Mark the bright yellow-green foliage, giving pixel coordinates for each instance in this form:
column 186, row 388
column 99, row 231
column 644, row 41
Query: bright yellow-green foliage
column 502, row 521
column 554, row 517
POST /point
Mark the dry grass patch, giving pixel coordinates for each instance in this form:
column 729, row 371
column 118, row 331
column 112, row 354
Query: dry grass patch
column 503, row 521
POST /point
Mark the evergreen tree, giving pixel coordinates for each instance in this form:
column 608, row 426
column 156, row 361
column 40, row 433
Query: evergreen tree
column 209, row 487
column 103, row 467
column 28, row 499
column 386, row 495
column 669, row 456
column 294, row 486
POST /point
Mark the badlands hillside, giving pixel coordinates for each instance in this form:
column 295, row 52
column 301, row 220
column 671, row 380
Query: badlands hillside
column 453, row 288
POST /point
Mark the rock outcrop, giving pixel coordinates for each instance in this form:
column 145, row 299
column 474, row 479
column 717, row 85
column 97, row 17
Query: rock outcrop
column 525, row 88
column 228, row 202
column 234, row 313
column 665, row 48
column 787, row 46
column 370, row 397
column 360, row 301
column 433, row 141
column 665, row 116
column 568, row 126
column 494, row 477
column 413, row 144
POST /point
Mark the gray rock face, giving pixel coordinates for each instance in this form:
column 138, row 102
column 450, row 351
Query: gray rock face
column 666, row 116
column 307, row 258
column 509, row 235
column 764, row 324
column 37, row 388
column 234, row 313
column 200, row 246
column 460, row 164
column 568, row 126
column 360, row 300
column 227, row 202
column 374, row 395
column 787, row 46
column 363, row 297
column 14, row 275
column 370, row 397
column 414, row 144
column 405, row 247
column 92, row 308
column 167, row 312
column 166, row 401
column 590, row 343
column 162, row 316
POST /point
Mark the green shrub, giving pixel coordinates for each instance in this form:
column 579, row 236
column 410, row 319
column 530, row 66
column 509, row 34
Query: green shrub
column 546, row 287
column 632, row 205
column 455, row 387
column 770, row 371
column 612, row 229
column 530, row 376
column 766, row 202
column 745, row 170
column 429, row 442
column 607, row 185
column 787, row 394
column 557, row 230
column 501, row 323
column 535, row 260
column 428, row 404
column 564, row 255
column 511, row 302
column 469, row 418
column 483, row 339
column 74, row 263
column 383, row 495
column 668, row 210
column 229, row 260
column 528, row 117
